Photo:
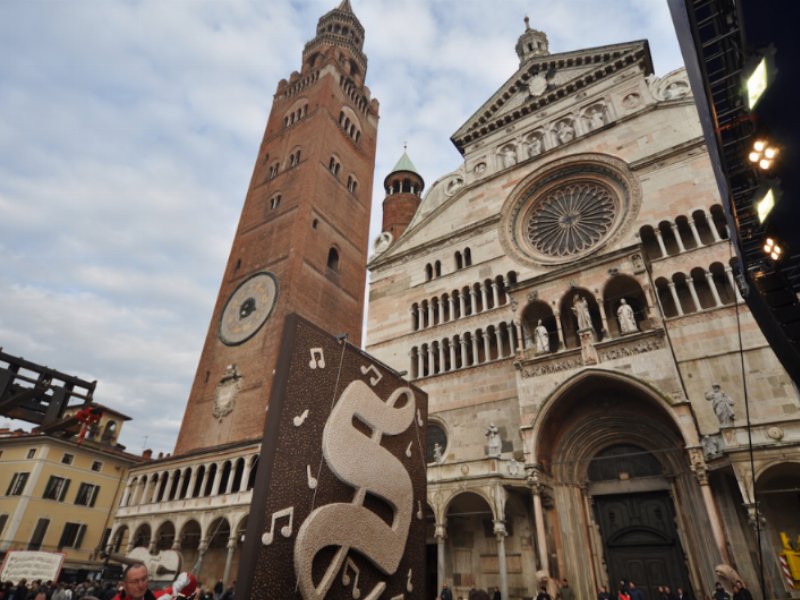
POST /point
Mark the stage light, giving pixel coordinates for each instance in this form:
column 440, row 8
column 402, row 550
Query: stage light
column 758, row 74
column 763, row 154
column 772, row 249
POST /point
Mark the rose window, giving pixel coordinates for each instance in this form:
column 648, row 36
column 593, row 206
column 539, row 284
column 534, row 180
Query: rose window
column 570, row 220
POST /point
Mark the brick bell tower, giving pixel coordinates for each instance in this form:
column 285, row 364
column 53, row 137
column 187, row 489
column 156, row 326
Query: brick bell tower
column 302, row 240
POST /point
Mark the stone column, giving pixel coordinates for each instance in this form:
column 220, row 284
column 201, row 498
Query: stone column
column 484, row 297
column 231, row 546
column 441, row 357
column 473, row 308
column 201, row 552
column 461, row 305
column 453, row 303
column 231, row 477
column 245, row 474
column 561, row 341
column 463, row 345
column 474, row 337
column 414, row 319
column 732, row 281
column 181, row 478
column 495, row 294
column 499, row 340
column 202, row 485
column 713, row 228
column 217, row 479
column 520, row 337
column 500, row 535
column 486, row 347
column 695, row 233
column 603, row 317
column 538, row 514
column 440, row 533
column 420, row 370
column 713, row 286
column 431, row 361
column 126, row 494
column 171, row 481
column 700, row 469
column 154, row 491
column 660, row 241
column 675, row 298
column 693, row 292
column 505, row 291
column 676, row 232
column 430, row 314
column 452, row 354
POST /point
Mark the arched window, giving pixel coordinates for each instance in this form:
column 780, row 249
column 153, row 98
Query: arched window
column 467, row 257
column 333, row 259
column 459, row 261
column 438, row 268
column 428, row 272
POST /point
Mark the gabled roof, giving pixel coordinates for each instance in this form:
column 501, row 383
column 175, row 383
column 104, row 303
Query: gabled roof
column 589, row 65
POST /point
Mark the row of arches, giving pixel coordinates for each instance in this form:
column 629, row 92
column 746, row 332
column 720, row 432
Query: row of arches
column 350, row 90
column 700, row 289
column 195, row 481
column 465, row 302
column 300, row 85
column 463, row 259
column 669, row 238
column 403, row 186
column 349, row 125
column 467, row 349
column 166, row 536
column 295, row 115
column 559, row 317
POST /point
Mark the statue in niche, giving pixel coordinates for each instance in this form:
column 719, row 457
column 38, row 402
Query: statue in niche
column 480, row 168
column 437, row 452
column 596, row 117
column 495, row 443
column 722, row 405
column 710, row 446
column 509, row 156
column 535, row 146
column 565, row 132
column 541, row 337
column 580, row 307
column 454, row 185
column 675, row 90
column 627, row 321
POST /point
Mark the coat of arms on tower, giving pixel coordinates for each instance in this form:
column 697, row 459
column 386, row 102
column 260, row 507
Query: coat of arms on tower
column 226, row 392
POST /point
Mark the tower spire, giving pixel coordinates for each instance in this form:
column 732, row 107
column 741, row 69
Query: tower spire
column 531, row 44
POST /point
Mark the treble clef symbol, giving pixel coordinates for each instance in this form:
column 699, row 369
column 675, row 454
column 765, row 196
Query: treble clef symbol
column 365, row 532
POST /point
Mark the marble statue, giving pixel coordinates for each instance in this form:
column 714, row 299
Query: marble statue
column 596, row 117
column 627, row 321
column 541, row 337
column 509, row 156
column 534, row 146
column 565, row 132
column 581, row 309
column 722, row 405
column 710, row 446
column 495, row 443
column 437, row 452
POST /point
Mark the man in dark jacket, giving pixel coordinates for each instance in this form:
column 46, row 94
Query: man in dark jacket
column 446, row 593
column 634, row 592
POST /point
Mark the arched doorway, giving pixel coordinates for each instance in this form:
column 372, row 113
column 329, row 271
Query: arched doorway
column 470, row 544
column 625, row 500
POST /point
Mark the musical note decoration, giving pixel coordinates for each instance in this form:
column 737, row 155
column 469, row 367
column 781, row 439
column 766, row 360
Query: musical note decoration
column 408, row 450
column 286, row 530
column 317, row 359
column 301, row 418
column 346, row 577
column 373, row 381
column 312, row 481
column 419, row 418
column 398, row 597
column 420, row 514
column 409, row 587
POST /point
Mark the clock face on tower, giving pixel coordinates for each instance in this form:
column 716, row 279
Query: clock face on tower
column 248, row 308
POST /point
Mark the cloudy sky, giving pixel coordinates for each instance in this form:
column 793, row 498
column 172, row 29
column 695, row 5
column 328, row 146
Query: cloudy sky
column 128, row 133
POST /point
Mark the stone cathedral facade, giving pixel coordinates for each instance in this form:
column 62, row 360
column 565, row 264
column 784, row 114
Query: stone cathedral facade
column 566, row 299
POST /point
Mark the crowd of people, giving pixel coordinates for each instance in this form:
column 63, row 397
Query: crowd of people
column 134, row 585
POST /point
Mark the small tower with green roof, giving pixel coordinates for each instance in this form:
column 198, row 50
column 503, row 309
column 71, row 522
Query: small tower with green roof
column 403, row 187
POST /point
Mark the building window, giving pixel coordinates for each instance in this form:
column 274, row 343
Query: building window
column 72, row 536
column 333, row 259
column 275, row 201
column 17, row 486
column 67, row 458
column 334, row 166
column 87, row 494
column 352, row 184
column 97, row 466
column 56, row 488
column 31, row 453
column 38, row 534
